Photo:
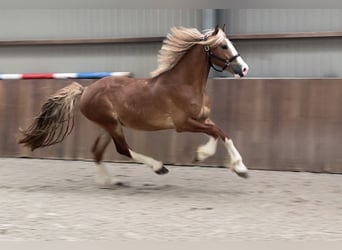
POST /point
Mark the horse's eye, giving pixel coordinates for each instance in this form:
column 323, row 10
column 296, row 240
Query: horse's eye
column 224, row 47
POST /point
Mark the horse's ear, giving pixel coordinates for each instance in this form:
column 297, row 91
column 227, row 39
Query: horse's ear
column 216, row 30
column 224, row 28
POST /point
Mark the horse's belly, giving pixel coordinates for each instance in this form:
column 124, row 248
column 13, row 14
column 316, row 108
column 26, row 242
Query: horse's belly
column 147, row 122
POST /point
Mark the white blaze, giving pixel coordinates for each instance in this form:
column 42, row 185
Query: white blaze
column 239, row 60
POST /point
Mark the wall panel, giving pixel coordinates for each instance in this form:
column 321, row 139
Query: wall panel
column 267, row 58
column 288, row 58
column 26, row 24
column 277, row 124
column 245, row 21
column 47, row 24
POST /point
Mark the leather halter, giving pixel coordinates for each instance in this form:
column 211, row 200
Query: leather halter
column 226, row 62
column 210, row 54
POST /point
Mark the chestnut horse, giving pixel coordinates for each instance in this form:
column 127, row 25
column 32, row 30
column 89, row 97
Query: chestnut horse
column 173, row 98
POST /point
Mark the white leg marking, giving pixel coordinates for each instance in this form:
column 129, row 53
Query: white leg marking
column 207, row 150
column 103, row 178
column 236, row 163
column 150, row 162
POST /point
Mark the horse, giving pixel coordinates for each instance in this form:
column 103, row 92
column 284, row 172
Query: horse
column 174, row 97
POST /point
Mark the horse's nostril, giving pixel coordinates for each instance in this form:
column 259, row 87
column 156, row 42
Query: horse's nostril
column 244, row 70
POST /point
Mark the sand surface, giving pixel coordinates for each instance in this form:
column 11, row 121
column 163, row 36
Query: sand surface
column 59, row 200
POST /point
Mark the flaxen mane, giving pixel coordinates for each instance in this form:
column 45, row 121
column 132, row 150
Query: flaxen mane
column 179, row 41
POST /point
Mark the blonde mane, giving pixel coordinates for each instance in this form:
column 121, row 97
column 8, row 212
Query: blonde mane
column 179, row 41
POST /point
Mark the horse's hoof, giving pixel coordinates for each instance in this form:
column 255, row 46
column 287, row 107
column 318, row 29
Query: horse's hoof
column 163, row 170
column 242, row 174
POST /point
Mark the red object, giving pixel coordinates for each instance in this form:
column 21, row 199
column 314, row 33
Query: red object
column 38, row 76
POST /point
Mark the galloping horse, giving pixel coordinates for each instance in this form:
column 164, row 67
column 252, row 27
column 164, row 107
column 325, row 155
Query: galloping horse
column 173, row 98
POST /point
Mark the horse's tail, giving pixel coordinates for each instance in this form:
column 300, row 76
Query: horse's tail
column 56, row 119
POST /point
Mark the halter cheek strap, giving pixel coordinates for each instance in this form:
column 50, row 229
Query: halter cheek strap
column 226, row 62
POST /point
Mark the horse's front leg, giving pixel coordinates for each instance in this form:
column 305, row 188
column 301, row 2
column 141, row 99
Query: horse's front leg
column 236, row 162
column 208, row 149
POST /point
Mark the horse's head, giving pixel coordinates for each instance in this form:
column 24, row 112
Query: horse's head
column 223, row 54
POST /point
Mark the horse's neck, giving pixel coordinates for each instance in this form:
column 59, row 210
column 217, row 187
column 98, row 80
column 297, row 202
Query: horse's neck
column 192, row 69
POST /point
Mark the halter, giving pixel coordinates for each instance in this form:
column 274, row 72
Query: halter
column 226, row 62
column 210, row 54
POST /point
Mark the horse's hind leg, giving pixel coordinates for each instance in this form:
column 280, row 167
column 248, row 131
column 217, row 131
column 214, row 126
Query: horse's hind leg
column 122, row 147
column 100, row 146
column 103, row 178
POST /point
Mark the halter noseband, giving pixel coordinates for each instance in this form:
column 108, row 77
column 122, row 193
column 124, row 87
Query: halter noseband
column 210, row 54
column 226, row 62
